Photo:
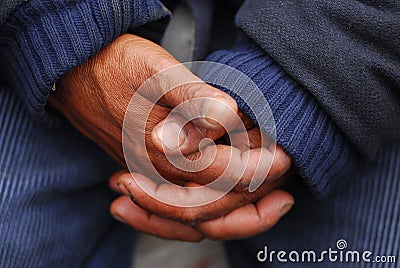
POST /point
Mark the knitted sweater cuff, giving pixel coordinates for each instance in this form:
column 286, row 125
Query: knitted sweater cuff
column 44, row 39
column 320, row 151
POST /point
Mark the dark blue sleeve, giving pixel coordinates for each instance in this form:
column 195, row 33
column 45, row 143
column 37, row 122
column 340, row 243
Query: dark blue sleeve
column 320, row 151
column 43, row 39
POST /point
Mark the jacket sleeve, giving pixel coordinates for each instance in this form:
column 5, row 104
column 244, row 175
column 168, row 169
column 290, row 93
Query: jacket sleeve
column 43, row 39
column 345, row 53
column 323, row 155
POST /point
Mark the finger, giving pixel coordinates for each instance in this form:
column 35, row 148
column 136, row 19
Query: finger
column 113, row 182
column 251, row 167
column 207, row 106
column 174, row 135
column 195, row 203
column 250, row 140
column 124, row 210
column 199, row 118
column 281, row 164
column 175, row 86
column 222, row 167
column 250, row 219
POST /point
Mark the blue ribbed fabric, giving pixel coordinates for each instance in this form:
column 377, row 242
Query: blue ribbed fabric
column 45, row 39
column 320, row 151
column 54, row 197
column 365, row 212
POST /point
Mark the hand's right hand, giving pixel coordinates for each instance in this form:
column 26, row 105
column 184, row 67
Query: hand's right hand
column 95, row 96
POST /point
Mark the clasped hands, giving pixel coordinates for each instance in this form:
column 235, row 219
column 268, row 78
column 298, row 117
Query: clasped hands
column 95, row 96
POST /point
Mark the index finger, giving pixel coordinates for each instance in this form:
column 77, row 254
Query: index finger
column 177, row 86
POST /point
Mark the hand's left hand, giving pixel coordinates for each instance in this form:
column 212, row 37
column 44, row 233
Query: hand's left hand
column 252, row 213
column 243, row 222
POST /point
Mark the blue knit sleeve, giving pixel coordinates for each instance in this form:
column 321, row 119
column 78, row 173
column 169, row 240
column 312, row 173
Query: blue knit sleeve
column 43, row 39
column 320, row 151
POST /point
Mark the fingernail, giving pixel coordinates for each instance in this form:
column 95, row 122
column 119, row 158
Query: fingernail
column 119, row 218
column 123, row 188
column 215, row 110
column 285, row 209
column 171, row 135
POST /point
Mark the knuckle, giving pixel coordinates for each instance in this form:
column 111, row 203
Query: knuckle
column 242, row 186
column 161, row 60
column 190, row 90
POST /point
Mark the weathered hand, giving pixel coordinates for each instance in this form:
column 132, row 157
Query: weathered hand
column 246, row 221
column 95, row 95
column 247, row 218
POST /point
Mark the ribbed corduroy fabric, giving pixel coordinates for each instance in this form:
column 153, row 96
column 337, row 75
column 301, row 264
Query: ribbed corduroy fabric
column 365, row 212
column 53, row 181
column 320, row 151
column 54, row 196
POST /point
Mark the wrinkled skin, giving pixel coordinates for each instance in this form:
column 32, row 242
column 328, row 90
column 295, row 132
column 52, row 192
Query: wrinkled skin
column 95, row 96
